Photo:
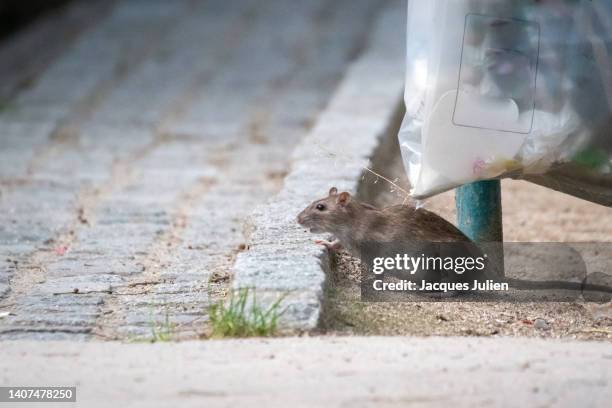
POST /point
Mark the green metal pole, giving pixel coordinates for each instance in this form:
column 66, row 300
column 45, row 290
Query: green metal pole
column 479, row 211
column 479, row 216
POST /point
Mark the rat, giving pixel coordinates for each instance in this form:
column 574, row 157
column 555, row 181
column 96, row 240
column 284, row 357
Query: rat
column 355, row 223
column 368, row 233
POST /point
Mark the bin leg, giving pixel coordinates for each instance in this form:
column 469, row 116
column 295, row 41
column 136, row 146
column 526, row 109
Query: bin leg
column 479, row 216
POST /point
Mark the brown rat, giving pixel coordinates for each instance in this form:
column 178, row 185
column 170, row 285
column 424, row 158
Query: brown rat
column 368, row 232
column 354, row 223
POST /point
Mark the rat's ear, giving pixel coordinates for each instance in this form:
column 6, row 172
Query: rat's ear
column 333, row 191
column 344, row 198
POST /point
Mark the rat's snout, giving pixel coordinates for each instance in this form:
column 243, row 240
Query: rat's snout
column 300, row 218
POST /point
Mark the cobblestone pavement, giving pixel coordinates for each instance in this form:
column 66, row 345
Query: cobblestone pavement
column 130, row 160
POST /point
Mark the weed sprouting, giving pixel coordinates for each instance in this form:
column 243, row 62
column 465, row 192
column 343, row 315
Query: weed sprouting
column 240, row 316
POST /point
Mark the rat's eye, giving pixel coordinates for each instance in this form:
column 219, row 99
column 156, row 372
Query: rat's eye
column 320, row 207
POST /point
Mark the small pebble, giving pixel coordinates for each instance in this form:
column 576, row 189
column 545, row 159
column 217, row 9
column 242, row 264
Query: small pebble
column 541, row 324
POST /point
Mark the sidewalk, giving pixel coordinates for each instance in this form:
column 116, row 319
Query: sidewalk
column 322, row 371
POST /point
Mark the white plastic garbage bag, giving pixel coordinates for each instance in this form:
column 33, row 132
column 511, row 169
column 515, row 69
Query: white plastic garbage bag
column 509, row 88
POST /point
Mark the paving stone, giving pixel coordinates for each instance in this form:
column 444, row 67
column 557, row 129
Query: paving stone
column 94, row 265
column 144, row 318
column 44, row 314
column 37, row 334
column 58, row 303
column 79, row 284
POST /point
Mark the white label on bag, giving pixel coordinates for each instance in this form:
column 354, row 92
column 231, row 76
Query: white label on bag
column 497, row 75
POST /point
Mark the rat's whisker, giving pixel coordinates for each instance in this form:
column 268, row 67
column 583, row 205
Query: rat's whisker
column 367, row 168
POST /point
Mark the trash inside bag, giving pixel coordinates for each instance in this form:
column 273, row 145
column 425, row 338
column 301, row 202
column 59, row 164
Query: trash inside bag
column 519, row 89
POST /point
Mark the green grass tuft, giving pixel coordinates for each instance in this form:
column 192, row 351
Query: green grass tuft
column 240, row 317
column 162, row 331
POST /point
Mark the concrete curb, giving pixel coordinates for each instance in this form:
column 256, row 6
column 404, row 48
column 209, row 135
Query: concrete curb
column 282, row 259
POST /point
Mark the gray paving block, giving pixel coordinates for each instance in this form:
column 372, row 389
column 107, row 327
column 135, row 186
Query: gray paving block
column 79, row 285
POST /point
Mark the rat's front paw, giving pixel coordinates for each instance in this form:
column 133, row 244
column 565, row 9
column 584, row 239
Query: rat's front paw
column 330, row 245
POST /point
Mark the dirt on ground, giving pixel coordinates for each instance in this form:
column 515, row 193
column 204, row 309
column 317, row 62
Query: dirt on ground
column 530, row 214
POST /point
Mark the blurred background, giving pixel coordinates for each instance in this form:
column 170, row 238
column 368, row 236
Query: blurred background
column 15, row 14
